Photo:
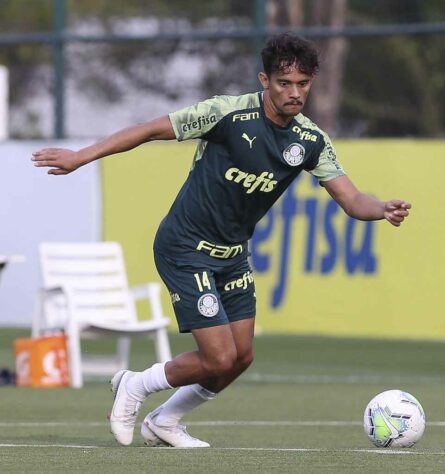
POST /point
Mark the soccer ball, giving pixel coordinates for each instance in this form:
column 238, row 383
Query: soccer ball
column 394, row 419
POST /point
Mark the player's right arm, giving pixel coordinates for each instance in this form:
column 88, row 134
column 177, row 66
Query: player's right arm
column 64, row 161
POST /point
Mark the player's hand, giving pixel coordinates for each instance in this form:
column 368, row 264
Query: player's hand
column 60, row 160
column 395, row 211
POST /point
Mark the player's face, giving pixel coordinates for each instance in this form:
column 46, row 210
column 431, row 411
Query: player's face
column 286, row 91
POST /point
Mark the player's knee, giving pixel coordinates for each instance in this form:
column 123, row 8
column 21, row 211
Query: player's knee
column 220, row 364
column 245, row 359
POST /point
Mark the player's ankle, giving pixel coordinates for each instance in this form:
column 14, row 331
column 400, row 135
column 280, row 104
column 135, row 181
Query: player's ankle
column 154, row 379
column 135, row 387
column 166, row 421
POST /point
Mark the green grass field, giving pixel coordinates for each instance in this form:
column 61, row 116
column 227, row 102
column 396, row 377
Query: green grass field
column 299, row 408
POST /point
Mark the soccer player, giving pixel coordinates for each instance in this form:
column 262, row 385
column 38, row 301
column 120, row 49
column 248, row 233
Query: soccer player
column 250, row 149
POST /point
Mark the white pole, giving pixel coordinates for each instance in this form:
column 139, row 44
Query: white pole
column 4, row 94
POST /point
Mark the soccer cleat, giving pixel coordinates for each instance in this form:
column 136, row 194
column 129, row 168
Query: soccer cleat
column 150, row 439
column 175, row 436
column 125, row 408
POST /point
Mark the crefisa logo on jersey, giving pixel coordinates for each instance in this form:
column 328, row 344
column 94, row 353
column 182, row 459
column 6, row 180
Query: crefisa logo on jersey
column 199, row 123
column 294, row 154
column 208, row 305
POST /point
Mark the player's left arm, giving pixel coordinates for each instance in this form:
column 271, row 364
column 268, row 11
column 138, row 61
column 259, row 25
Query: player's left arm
column 363, row 206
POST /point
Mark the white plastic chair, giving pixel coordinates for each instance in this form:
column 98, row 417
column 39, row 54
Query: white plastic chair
column 86, row 295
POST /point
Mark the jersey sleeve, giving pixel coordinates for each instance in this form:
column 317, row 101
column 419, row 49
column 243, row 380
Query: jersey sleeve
column 327, row 167
column 201, row 120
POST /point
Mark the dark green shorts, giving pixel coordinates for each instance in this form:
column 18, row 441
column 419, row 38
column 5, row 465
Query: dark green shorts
column 206, row 296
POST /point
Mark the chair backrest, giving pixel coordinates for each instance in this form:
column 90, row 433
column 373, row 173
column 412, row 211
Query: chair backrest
column 94, row 278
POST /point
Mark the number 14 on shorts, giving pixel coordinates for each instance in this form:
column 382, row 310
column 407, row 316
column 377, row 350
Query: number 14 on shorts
column 202, row 280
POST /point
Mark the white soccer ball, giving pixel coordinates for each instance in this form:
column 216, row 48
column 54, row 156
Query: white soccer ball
column 394, row 419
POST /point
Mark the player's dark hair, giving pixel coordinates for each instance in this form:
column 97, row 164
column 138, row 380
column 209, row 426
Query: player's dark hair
column 285, row 50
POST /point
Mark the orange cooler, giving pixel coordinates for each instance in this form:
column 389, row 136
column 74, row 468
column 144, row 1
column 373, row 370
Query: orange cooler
column 42, row 362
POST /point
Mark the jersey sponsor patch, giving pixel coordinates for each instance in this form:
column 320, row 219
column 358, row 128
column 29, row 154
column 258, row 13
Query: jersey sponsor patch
column 305, row 134
column 242, row 282
column 246, row 116
column 220, row 251
column 199, row 123
column 208, row 305
column 263, row 182
column 294, row 154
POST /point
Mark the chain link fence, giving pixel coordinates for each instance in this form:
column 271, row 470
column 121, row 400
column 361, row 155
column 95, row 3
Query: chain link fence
column 86, row 68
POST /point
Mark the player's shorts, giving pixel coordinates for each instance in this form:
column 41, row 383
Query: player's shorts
column 205, row 296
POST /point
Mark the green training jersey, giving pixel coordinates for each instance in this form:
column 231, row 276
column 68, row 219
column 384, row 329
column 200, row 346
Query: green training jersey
column 243, row 163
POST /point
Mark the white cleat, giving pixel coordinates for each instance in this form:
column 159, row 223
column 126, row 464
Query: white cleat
column 125, row 408
column 150, row 439
column 175, row 436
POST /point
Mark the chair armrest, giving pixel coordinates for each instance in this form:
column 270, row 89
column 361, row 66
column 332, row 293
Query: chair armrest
column 145, row 291
column 152, row 293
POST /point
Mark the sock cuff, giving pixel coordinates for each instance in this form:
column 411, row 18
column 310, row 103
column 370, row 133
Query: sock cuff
column 154, row 378
column 203, row 392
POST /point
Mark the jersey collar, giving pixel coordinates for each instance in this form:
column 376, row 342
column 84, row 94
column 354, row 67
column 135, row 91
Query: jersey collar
column 263, row 112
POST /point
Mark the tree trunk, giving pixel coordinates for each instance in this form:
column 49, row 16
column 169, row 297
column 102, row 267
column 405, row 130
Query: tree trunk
column 324, row 103
column 285, row 12
column 326, row 94
column 295, row 12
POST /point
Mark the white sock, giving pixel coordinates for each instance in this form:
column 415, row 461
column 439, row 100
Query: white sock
column 149, row 381
column 184, row 400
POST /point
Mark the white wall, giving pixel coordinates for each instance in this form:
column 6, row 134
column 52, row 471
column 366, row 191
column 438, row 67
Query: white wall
column 4, row 102
column 36, row 207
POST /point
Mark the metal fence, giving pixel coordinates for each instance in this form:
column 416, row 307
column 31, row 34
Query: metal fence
column 60, row 36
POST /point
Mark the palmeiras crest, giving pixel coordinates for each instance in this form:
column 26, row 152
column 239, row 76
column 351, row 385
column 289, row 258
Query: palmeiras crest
column 294, row 154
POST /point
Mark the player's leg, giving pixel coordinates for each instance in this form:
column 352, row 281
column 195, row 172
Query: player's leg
column 236, row 288
column 242, row 332
column 224, row 351
column 196, row 310
column 187, row 398
column 163, row 422
column 215, row 357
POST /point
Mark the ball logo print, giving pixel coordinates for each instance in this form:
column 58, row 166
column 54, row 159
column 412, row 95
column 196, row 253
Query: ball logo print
column 294, row 154
column 208, row 305
column 394, row 419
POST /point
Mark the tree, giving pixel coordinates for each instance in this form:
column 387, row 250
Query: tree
column 324, row 104
column 327, row 92
column 368, row 86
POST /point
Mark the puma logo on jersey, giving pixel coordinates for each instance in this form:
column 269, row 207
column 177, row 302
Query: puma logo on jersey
column 246, row 137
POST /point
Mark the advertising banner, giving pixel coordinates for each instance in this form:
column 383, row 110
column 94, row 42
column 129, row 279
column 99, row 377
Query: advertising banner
column 317, row 271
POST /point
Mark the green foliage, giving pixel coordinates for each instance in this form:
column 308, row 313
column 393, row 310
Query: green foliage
column 195, row 11
column 25, row 16
column 392, row 86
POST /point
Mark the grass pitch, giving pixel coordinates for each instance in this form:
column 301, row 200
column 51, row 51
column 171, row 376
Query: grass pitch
column 299, row 408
